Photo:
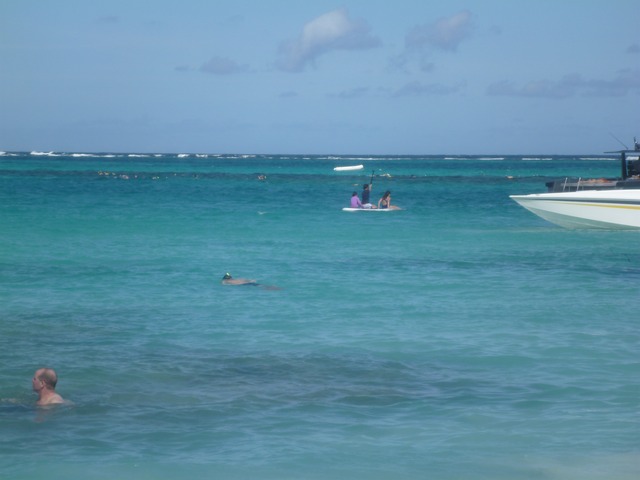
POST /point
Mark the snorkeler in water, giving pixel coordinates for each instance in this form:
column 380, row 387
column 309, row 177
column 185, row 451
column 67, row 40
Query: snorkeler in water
column 229, row 280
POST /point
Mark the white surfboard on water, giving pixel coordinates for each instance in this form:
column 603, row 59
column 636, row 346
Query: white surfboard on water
column 349, row 209
column 349, row 167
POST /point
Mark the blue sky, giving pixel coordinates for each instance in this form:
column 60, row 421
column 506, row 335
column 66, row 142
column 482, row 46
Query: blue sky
column 320, row 77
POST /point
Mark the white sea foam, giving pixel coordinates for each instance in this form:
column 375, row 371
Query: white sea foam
column 352, row 159
column 44, row 154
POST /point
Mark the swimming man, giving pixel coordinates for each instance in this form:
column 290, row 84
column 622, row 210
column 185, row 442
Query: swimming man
column 229, row 280
column 44, row 384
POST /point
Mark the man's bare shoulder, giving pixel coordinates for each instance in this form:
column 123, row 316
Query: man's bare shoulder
column 54, row 399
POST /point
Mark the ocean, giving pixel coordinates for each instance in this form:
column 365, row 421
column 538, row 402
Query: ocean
column 461, row 337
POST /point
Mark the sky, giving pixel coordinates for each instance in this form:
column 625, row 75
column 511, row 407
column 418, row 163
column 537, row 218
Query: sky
column 408, row 77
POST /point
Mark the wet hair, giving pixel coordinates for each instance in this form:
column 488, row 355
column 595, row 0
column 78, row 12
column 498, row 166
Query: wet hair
column 386, row 194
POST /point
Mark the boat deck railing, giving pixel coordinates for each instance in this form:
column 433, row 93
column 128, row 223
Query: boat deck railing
column 570, row 184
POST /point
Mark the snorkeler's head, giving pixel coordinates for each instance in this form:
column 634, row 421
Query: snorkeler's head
column 227, row 276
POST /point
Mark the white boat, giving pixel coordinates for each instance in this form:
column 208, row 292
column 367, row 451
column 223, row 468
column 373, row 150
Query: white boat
column 611, row 209
column 349, row 167
column 603, row 203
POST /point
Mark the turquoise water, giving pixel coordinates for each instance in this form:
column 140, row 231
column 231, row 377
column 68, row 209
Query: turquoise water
column 462, row 337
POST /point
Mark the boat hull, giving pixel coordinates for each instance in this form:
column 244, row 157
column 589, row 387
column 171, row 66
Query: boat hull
column 608, row 209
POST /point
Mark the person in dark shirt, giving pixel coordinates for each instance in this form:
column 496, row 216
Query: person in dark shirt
column 366, row 193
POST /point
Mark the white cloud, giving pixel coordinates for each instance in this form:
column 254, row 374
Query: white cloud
column 331, row 31
column 566, row 87
column 570, row 85
column 627, row 81
column 222, row 66
column 444, row 34
column 108, row 19
column 352, row 93
column 416, row 88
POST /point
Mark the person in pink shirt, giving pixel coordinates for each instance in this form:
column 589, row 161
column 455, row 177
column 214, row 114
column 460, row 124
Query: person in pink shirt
column 355, row 201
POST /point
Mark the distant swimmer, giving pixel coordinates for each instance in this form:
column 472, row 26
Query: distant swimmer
column 229, row 280
column 44, row 384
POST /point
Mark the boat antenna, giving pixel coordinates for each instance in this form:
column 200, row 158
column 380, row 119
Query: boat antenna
column 619, row 141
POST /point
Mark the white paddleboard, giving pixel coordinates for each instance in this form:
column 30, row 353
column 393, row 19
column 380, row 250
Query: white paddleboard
column 351, row 167
column 349, row 209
